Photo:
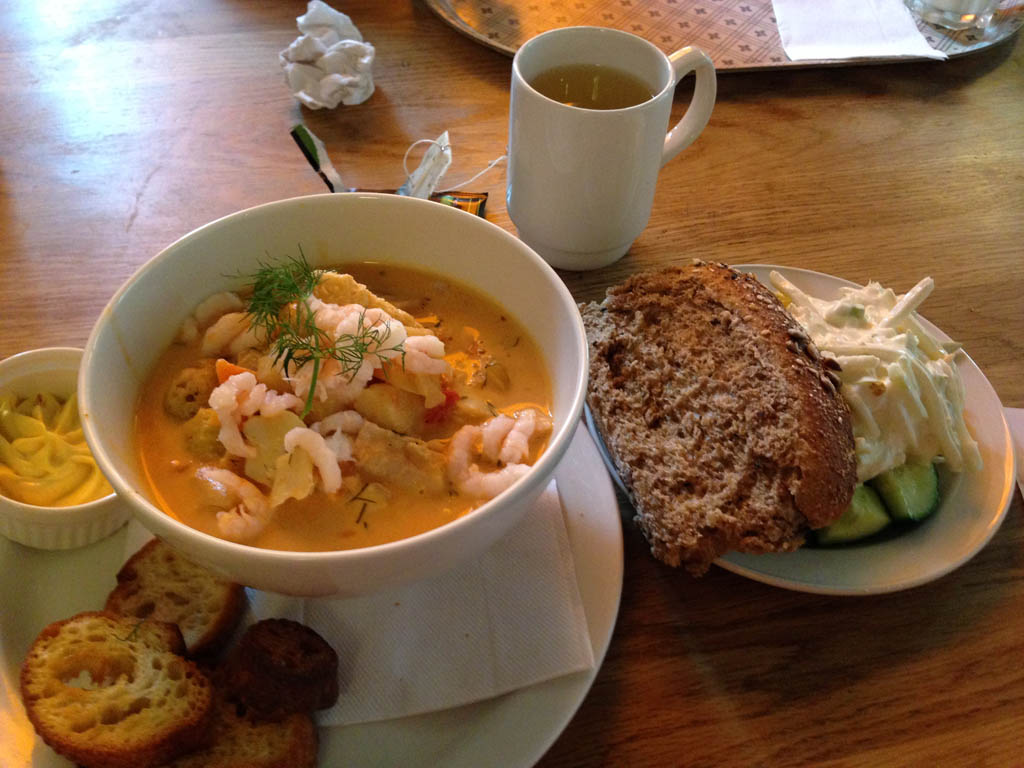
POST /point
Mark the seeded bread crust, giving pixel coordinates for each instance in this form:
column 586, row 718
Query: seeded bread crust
column 159, row 583
column 723, row 420
column 108, row 691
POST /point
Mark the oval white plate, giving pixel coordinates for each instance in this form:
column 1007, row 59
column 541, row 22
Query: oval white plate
column 39, row 587
column 973, row 504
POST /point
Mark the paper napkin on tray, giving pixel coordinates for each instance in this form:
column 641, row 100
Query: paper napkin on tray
column 849, row 29
column 507, row 620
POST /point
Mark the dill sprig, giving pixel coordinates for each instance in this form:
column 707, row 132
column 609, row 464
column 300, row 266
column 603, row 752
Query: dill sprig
column 275, row 286
column 279, row 309
column 131, row 635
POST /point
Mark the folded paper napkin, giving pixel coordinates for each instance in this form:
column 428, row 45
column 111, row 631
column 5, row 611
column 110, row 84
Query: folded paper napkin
column 509, row 619
column 329, row 63
column 1015, row 418
column 849, row 29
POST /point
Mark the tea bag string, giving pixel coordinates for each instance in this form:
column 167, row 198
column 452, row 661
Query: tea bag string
column 470, row 180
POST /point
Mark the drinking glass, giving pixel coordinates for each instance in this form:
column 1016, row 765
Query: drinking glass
column 955, row 14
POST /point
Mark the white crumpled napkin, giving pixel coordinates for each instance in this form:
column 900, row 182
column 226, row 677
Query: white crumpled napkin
column 507, row 620
column 849, row 29
column 329, row 64
column 1015, row 418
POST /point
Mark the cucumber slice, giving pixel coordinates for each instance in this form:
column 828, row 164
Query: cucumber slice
column 910, row 491
column 864, row 517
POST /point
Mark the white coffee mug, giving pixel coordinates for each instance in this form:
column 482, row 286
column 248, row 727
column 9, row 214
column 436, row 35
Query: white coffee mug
column 581, row 181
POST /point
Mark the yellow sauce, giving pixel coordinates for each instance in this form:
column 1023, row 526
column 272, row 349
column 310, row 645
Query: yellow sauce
column 44, row 459
column 361, row 514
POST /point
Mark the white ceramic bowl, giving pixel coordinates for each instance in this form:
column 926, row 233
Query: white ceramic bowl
column 144, row 316
column 53, row 370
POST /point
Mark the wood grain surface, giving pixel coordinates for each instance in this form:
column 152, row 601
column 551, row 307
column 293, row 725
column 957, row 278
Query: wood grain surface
column 127, row 123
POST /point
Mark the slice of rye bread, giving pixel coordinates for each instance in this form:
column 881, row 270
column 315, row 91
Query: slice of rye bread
column 109, row 691
column 157, row 582
column 721, row 416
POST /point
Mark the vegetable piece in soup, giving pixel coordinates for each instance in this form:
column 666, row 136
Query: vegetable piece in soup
column 311, row 412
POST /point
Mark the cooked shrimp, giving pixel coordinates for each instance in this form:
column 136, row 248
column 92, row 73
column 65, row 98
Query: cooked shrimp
column 487, row 485
column 517, row 442
column 240, row 397
column 493, row 434
column 389, row 334
column 331, row 382
column 323, row 457
column 471, row 442
column 425, row 354
column 467, row 476
column 342, row 421
column 270, row 402
column 215, row 306
column 224, row 332
column 249, row 516
column 337, row 429
column 328, row 317
column 208, row 311
column 392, row 334
column 340, row 445
column 461, row 449
column 382, row 335
column 225, row 400
column 300, row 378
column 354, row 320
column 251, row 398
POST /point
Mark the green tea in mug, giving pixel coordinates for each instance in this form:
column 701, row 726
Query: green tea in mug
column 591, row 86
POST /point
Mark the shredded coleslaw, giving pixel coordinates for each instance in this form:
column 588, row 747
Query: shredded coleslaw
column 900, row 381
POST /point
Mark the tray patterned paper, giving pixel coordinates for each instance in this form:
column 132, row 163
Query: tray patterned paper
column 737, row 34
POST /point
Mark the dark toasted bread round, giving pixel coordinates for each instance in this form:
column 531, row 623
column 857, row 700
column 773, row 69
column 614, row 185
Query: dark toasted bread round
column 722, row 418
column 280, row 667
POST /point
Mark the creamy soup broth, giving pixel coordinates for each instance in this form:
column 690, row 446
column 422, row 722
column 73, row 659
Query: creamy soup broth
column 496, row 368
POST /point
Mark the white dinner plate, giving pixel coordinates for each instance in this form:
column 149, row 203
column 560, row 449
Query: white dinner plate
column 40, row 587
column 972, row 508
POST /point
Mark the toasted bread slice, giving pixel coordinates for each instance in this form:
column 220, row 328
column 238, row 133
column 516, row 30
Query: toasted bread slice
column 239, row 741
column 720, row 415
column 159, row 583
column 109, row 691
column 280, row 667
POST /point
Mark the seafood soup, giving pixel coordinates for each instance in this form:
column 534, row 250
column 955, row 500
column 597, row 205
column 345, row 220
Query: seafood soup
column 310, row 412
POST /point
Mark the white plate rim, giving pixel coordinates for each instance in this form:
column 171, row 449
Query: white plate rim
column 786, row 571
column 521, row 725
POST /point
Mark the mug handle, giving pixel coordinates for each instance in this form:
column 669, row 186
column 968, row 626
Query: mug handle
column 683, row 134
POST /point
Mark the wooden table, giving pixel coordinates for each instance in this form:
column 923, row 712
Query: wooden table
column 127, row 124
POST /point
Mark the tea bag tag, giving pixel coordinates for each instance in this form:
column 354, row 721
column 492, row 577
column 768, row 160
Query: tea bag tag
column 424, row 180
column 472, row 202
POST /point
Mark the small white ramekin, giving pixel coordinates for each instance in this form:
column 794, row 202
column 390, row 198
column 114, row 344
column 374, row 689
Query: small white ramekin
column 53, row 370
